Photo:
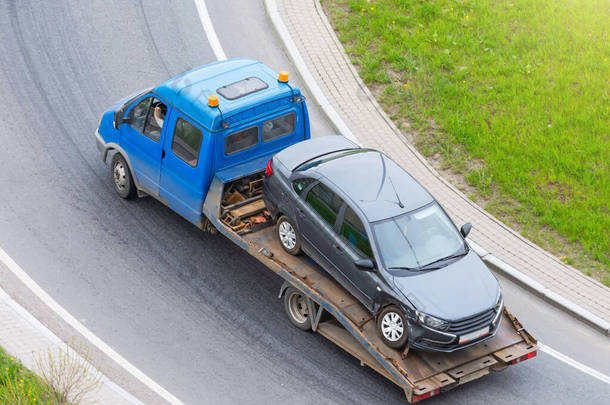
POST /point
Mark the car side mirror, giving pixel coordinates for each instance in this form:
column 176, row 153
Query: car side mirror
column 465, row 230
column 365, row 264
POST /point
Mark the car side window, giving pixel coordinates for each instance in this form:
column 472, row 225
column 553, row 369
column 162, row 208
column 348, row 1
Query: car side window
column 325, row 203
column 301, row 184
column 155, row 120
column 138, row 114
column 354, row 232
column 186, row 143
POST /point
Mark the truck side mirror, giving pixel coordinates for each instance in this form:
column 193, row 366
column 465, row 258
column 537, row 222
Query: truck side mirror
column 465, row 230
column 365, row 264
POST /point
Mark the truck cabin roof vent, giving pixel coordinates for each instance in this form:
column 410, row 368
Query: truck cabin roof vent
column 242, row 88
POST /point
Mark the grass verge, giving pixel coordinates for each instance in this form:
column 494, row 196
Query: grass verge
column 20, row 386
column 509, row 99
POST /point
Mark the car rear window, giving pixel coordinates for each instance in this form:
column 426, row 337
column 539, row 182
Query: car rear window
column 242, row 88
column 278, row 127
column 325, row 203
column 242, row 140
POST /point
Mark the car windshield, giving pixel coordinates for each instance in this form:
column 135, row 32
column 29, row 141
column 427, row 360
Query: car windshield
column 419, row 238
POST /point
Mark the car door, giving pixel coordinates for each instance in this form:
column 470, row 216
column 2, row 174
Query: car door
column 316, row 216
column 141, row 136
column 355, row 244
column 186, row 168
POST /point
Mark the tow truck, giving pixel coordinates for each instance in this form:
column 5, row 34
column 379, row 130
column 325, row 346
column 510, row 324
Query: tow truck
column 200, row 142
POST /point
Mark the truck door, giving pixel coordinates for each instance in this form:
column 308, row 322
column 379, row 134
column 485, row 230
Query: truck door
column 186, row 167
column 142, row 138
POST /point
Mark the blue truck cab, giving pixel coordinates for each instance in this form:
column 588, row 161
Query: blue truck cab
column 208, row 127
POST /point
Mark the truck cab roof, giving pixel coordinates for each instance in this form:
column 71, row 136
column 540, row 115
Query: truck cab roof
column 241, row 84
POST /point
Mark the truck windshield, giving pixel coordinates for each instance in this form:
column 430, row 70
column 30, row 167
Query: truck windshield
column 414, row 240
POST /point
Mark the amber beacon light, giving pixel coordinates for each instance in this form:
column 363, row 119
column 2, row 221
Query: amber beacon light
column 283, row 76
column 213, row 101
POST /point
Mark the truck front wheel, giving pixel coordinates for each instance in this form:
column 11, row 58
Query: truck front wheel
column 295, row 305
column 123, row 183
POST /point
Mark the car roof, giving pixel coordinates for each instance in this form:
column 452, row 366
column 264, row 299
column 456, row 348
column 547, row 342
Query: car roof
column 299, row 153
column 372, row 181
column 189, row 91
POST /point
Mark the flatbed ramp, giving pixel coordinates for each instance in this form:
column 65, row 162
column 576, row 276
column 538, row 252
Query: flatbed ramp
column 352, row 327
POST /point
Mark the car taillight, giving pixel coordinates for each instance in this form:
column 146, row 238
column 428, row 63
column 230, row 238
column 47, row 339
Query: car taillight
column 524, row 357
column 268, row 170
column 417, row 398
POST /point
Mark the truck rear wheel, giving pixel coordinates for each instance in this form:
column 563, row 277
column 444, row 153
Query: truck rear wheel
column 288, row 235
column 123, row 183
column 295, row 305
column 392, row 327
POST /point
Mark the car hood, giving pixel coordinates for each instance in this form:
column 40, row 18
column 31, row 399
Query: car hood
column 463, row 288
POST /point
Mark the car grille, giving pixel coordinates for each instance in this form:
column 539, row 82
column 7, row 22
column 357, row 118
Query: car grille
column 473, row 323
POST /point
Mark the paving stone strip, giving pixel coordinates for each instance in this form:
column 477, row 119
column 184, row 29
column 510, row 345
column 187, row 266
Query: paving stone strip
column 23, row 336
column 330, row 67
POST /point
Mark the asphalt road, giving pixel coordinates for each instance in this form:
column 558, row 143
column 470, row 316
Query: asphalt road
column 191, row 310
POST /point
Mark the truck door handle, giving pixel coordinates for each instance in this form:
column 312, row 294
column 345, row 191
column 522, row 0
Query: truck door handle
column 162, row 153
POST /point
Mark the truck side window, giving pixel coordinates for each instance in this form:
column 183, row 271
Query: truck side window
column 278, row 127
column 241, row 140
column 353, row 232
column 301, row 184
column 187, row 141
column 325, row 203
column 155, row 120
column 138, row 114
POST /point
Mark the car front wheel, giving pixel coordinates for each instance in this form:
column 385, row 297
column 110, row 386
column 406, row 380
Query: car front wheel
column 392, row 327
column 288, row 235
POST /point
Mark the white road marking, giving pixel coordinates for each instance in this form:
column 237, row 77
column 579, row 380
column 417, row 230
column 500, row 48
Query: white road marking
column 208, row 27
column 577, row 365
column 86, row 333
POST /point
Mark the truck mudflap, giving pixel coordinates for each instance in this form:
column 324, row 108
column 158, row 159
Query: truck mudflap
column 420, row 374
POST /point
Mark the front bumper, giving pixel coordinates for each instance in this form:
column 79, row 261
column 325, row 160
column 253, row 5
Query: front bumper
column 101, row 145
column 427, row 339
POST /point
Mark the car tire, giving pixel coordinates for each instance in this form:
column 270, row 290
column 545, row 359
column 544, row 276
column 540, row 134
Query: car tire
column 295, row 305
column 121, row 176
column 392, row 327
column 288, row 236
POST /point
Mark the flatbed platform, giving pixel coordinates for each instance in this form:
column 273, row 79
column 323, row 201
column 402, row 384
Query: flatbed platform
column 353, row 329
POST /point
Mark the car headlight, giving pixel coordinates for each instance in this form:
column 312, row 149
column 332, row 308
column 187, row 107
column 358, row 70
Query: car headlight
column 431, row 321
column 499, row 303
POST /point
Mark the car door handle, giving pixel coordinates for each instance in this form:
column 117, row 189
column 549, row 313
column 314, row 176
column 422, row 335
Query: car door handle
column 337, row 248
column 300, row 211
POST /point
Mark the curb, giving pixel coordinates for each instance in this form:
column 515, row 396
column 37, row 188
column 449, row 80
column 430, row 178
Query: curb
column 495, row 263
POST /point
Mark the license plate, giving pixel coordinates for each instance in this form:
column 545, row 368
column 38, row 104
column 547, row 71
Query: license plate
column 474, row 335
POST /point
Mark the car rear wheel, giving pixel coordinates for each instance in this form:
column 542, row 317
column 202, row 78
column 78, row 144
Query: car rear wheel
column 288, row 235
column 295, row 305
column 392, row 327
column 123, row 183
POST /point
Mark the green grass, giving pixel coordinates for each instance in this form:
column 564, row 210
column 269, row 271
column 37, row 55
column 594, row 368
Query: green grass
column 20, row 386
column 513, row 96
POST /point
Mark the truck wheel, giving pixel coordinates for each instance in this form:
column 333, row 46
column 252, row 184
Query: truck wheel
column 392, row 327
column 295, row 305
column 288, row 235
column 123, row 183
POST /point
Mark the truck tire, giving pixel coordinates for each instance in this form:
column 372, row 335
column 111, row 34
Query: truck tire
column 295, row 305
column 288, row 235
column 392, row 327
column 121, row 175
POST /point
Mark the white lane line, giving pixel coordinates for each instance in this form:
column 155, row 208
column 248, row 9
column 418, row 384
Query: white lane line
column 577, row 365
column 69, row 319
column 208, row 27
